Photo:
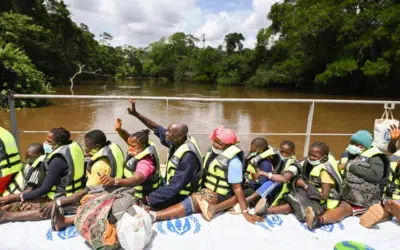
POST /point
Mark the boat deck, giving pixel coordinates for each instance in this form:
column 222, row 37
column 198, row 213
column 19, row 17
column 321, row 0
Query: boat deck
column 226, row 231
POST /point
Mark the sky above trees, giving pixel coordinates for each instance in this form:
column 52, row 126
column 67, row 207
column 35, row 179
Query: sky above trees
column 140, row 22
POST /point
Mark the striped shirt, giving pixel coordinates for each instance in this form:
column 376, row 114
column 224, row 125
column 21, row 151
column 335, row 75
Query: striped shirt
column 36, row 176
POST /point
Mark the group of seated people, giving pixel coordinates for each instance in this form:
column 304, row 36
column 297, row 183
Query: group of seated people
column 61, row 178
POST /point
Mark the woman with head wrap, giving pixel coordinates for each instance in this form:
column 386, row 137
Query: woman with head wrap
column 222, row 179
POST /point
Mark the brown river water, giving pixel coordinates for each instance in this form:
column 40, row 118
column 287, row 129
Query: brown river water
column 201, row 117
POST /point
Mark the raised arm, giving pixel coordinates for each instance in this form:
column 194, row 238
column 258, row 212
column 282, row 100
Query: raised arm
column 146, row 121
column 394, row 136
column 121, row 132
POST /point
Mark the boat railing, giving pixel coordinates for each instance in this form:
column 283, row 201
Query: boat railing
column 307, row 134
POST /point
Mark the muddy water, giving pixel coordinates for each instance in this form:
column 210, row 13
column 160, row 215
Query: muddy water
column 201, row 117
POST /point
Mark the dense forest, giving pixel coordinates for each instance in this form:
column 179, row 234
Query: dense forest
column 325, row 45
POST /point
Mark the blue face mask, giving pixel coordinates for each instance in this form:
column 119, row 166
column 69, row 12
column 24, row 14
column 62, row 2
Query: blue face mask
column 47, row 148
column 252, row 154
column 283, row 158
column 354, row 150
column 313, row 163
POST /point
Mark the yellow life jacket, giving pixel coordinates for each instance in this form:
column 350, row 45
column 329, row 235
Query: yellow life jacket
column 152, row 182
column 74, row 180
column 216, row 172
column 393, row 188
column 10, row 161
column 115, row 157
column 173, row 163
column 331, row 167
column 285, row 187
column 254, row 163
column 18, row 184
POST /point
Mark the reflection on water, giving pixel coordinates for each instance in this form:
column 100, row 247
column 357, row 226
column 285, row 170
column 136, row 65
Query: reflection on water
column 201, row 117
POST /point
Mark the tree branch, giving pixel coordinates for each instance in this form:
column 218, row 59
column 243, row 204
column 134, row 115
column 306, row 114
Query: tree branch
column 80, row 71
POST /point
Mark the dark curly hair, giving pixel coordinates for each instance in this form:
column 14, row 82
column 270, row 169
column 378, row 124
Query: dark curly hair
column 61, row 136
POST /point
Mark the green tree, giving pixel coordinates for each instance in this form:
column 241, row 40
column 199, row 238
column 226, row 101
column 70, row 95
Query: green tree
column 233, row 42
column 29, row 80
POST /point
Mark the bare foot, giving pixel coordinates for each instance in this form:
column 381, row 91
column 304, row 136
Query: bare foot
column 204, row 205
column 374, row 215
column 310, row 217
column 261, row 207
column 57, row 219
column 395, row 208
column 235, row 209
column 2, row 216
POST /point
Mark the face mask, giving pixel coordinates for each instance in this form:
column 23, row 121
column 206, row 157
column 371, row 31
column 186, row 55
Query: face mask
column 216, row 151
column 283, row 158
column 47, row 148
column 252, row 154
column 170, row 143
column 93, row 152
column 314, row 163
column 354, row 150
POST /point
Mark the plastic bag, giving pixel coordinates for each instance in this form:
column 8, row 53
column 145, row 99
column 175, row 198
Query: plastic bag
column 381, row 129
column 134, row 232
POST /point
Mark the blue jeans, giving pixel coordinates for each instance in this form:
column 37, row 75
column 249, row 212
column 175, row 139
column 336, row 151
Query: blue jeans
column 268, row 189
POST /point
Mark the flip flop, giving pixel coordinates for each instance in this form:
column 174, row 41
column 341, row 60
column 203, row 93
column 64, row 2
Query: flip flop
column 203, row 205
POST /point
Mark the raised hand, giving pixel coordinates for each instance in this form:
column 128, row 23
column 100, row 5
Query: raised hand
column 118, row 125
column 132, row 108
column 394, row 132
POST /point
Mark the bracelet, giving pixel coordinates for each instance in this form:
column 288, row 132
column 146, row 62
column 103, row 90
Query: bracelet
column 116, row 182
column 58, row 202
column 21, row 197
column 269, row 175
column 306, row 186
column 245, row 211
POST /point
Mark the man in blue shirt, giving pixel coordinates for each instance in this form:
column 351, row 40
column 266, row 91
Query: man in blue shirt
column 187, row 170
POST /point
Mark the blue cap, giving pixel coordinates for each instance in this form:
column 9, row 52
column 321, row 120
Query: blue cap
column 362, row 137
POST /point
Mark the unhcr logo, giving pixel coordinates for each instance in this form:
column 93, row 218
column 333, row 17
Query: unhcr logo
column 271, row 221
column 179, row 227
column 327, row 228
column 67, row 233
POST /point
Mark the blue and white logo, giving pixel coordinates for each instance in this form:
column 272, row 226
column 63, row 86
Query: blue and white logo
column 327, row 228
column 67, row 233
column 179, row 226
column 387, row 136
column 271, row 221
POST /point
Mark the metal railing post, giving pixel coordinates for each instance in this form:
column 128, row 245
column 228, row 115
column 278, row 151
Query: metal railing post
column 309, row 129
column 13, row 118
